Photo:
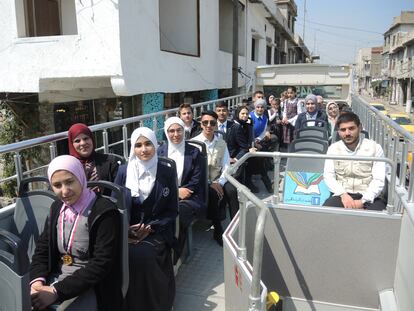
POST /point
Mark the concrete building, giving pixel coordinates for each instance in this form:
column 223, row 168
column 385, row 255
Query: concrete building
column 368, row 69
column 95, row 61
column 398, row 51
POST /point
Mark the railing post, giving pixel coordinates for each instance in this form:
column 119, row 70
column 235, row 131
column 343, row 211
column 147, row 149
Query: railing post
column 254, row 296
column 125, row 141
column 276, row 178
column 411, row 183
column 52, row 150
column 403, row 163
column 154, row 125
column 241, row 251
column 18, row 166
column 105, row 140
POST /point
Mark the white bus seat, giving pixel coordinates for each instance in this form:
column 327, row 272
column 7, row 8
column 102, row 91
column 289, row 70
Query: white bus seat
column 14, row 274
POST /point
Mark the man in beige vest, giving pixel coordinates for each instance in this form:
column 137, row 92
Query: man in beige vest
column 220, row 191
column 354, row 184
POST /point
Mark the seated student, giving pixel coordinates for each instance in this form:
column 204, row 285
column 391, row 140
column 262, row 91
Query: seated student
column 264, row 141
column 312, row 113
column 98, row 166
column 192, row 127
column 354, row 184
column 332, row 112
column 218, row 161
column 189, row 162
column 77, row 253
column 153, row 205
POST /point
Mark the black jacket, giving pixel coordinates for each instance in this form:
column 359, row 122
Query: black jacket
column 239, row 140
column 107, row 166
column 160, row 208
column 103, row 269
column 301, row 121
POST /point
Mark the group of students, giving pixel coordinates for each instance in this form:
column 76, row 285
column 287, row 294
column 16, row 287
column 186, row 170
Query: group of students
column 77, row 257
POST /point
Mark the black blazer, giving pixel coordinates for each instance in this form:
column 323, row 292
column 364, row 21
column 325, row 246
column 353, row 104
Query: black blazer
column 107, row 166
column 192, row 173
column 301, row 120
column 160, row 207
column 229, row 125
column 103, row 269
column 195, row 130
column 240, row 140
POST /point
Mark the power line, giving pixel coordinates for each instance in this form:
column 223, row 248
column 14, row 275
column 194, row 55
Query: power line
column 343, row 27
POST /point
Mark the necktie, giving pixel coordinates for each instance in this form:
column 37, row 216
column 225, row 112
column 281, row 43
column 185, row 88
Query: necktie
column 222, row 128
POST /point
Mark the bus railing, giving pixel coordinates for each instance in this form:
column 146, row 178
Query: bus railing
column 246, row 195
column 152, row 118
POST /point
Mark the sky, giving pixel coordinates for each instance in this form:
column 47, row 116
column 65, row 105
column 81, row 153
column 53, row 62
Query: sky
column 336, row 29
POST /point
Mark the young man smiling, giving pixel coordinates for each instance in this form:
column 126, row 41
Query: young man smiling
column 354, row 184
column 220, row 191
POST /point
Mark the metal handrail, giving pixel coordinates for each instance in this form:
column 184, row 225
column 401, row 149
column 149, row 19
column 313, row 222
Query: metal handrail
column 245, row 194
column 17, row 147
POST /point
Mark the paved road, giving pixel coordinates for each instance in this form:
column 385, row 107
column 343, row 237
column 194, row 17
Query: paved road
column 390, row 108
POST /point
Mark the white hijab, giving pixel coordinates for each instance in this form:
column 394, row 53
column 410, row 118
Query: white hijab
column 176, row 151
column 141, row 174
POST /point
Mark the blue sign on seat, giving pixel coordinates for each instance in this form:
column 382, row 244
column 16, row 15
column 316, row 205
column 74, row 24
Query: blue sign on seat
column 305, row 188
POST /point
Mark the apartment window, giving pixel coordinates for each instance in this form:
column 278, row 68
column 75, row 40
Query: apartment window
column 255, row 50
column 276, row 57
column 46, row 18
column 226, row 27
column 179, row 22
column 268, row 54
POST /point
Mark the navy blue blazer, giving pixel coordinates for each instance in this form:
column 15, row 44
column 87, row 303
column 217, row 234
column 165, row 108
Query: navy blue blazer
column 301, row 120
column 192, row 173
column 160, row 208
column 240, row 140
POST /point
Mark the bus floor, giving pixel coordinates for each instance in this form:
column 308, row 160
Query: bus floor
column 200, row 282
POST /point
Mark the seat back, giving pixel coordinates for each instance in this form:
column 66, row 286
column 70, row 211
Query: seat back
column 313, row 132
column 309, row 144
column 118, row 197
column 14, row 274
column 31, row 211
column 303, row 182
column 120, row 159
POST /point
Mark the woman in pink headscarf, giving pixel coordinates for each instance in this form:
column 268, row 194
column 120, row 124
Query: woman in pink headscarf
column 76, row 255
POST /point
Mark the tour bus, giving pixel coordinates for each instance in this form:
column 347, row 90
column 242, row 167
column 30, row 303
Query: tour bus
column 283, row 251
column 330, row 82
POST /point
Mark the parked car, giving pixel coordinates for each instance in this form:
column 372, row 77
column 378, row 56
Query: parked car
column 403, row 120
column 380, row 107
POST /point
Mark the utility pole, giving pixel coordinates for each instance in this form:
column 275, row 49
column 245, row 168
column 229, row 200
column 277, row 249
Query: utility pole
column 235, row 65
column 304, row 21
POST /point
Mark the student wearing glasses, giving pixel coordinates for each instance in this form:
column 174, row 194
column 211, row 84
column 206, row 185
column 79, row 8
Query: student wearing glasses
column 189, row 161
column 220, row 191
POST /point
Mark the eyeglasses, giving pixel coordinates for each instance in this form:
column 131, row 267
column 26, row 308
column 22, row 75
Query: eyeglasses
column 209, row 122
column 172, row 131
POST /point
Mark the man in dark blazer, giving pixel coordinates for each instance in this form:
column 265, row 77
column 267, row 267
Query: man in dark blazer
column 223, row 124
column 192, row 127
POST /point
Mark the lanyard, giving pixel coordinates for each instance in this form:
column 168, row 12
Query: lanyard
column 68, row 246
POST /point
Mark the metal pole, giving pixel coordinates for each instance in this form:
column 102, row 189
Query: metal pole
column 403, row 163
column 254, row 296
column 276, row 178
column 125, row 141
column 52, row 150
column 105, row 140
column 241, row 251
column 411, row 183
column 235, row 50
column 18, row 166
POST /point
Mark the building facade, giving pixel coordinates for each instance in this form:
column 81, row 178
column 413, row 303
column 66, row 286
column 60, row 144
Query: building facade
column 397, row 64
column 91, row 62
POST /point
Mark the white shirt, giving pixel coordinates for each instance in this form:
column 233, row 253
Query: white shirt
column 222, row 126
column 375, row 186
column 210, row 148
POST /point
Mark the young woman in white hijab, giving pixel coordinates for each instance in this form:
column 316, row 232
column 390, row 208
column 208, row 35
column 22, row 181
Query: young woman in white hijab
column 153, row 204
column 191, row 181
